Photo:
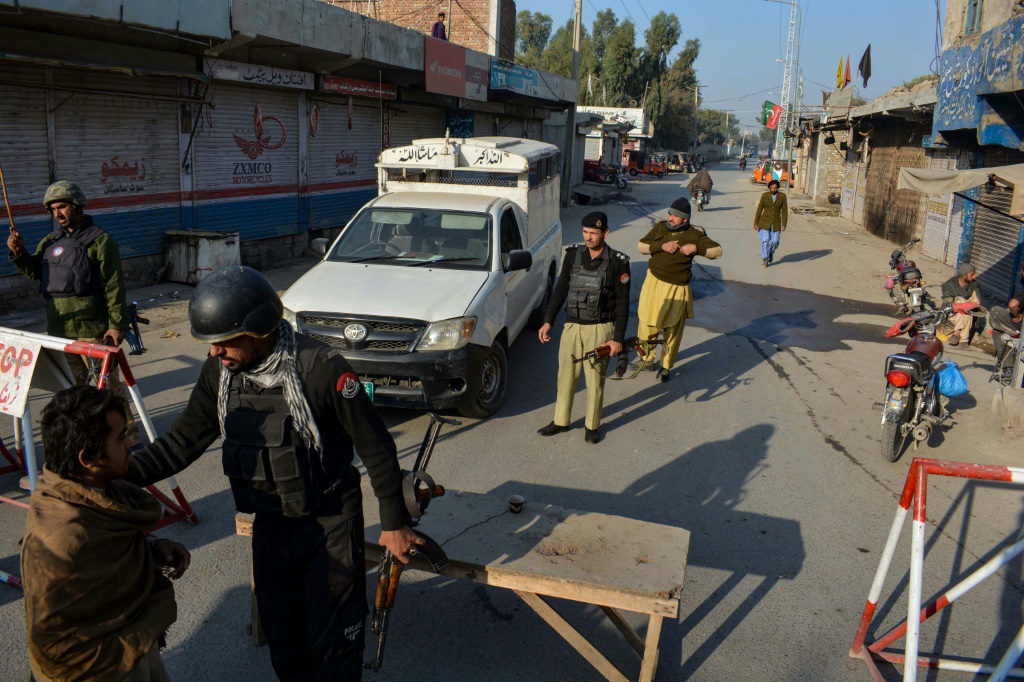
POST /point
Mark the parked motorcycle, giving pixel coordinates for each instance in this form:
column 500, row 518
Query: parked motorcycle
column 906, row 285
column 618, row 175
column 913, row 406
column 701, row 199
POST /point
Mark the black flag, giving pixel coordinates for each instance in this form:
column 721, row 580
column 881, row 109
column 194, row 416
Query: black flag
column 864, row 68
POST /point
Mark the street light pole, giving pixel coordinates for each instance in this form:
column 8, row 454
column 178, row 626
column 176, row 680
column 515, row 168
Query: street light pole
column 696, row 108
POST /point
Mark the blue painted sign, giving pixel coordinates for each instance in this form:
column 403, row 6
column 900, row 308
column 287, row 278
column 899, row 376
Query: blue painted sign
column 459, row 123
column 515, row 78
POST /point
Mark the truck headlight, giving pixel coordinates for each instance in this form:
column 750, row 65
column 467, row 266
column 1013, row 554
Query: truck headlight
column 447, row 334
column 289, row 315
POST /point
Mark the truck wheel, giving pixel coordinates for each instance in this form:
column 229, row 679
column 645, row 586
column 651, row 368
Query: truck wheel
column 493, row 381
column 536, row 319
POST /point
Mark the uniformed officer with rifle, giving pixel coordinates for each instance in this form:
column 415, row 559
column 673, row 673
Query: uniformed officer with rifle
column 594, row 286
column 290, row 409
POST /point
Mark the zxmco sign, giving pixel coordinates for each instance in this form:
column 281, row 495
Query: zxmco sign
column 444, row 67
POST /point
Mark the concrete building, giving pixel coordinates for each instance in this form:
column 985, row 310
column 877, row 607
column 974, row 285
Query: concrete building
column 260, row 118
column 979, row 122
column 641, row 133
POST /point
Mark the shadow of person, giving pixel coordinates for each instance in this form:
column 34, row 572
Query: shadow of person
column 804, row 255
column 702, row 489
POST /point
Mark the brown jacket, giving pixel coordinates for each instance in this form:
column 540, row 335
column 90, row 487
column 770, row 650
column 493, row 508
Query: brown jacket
column 771, row 214
column 95, row 601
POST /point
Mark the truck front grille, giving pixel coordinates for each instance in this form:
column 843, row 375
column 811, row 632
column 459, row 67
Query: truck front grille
column 382, row 334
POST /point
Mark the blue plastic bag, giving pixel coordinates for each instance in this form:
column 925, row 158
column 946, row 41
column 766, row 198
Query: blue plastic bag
column 951, row 380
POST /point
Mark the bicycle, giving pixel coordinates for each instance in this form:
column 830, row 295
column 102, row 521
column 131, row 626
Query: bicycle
column 1007, row 361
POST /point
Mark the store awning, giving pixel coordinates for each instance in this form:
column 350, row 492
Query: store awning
column 948, row 181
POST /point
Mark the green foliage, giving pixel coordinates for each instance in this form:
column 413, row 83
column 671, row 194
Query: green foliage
column 603, row 25
column 920, row 79
column 533, row 29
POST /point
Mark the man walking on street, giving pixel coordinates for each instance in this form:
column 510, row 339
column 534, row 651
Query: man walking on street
column 770, row 220
column 78, row 266
column 293, row 414
column 960, row 288
column 665, row 299
column 594, row 285
column 437, row 30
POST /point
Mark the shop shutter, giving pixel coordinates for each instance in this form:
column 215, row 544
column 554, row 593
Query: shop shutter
column 484, row 125
column 411, row 122
column 23, row 150
column 938, row 212
column 510, row 127
column 123, row 152
column 994, row 250
column 532, row 128
column 244, row 184
column 861, row 199
column 342, row 176
column 594, row 149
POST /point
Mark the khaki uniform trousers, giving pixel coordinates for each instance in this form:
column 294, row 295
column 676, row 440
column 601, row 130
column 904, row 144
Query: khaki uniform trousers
column 578, row 339
column 80, row 368
column 663, row 308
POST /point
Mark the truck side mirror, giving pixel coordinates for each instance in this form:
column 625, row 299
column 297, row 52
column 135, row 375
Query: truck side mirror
column 519, row 259
column 318, row 247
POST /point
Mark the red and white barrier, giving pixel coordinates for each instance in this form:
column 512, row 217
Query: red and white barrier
column 176, row 509
column 915, row 492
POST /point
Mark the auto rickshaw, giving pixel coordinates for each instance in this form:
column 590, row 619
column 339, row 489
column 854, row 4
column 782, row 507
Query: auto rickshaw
column 639, row 162
column 770, row 169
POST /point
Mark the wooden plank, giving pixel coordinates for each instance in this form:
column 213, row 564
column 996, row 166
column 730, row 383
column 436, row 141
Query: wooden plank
column 625, row 628
column 650, row 662
column 243, row 524
column 573, row 637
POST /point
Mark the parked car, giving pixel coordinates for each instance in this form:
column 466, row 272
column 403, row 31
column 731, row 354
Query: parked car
column 429, row 284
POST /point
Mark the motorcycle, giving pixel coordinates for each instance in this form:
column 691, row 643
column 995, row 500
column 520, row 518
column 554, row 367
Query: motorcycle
column 906, row 285
column 700, row 198
column 913, row 406
column 743, row 164
column 617, row 175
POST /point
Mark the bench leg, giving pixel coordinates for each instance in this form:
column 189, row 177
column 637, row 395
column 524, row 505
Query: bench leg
column 625, row 628
column 573, row 637
column 650, row 662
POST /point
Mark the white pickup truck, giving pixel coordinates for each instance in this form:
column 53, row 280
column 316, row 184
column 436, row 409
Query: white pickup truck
column 429, row 284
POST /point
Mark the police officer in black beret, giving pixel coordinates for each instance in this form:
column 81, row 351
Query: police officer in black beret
column 594, row 285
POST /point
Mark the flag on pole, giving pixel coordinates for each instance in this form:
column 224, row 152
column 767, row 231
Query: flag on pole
column 864, row 68
column 846, row 76
column 839, row 74
column 770, row 115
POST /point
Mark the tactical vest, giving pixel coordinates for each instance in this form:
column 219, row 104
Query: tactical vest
column 66, row 270
column 590, row 291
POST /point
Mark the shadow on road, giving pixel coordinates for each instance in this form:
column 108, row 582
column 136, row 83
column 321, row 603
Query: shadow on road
column 804, row 255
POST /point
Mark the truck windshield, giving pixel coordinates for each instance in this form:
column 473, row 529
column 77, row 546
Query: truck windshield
column 420, row 237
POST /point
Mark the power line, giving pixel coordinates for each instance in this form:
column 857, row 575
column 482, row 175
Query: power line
column 644, row 11
column 733, row 99
column 635, row 22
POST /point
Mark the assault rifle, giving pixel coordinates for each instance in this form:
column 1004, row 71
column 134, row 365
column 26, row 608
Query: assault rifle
column 642, row 347
column 418, row 489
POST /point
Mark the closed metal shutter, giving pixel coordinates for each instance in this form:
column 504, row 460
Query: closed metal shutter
column 594, row 150
column 861, row 200
column 248, row 183
column 484, row 125
column 510, row 127
column 123, row 152
column 342, row 176
column 532, row 128
column 994, row 251
column 23, row 150
column 938, row 211
column 410, row 122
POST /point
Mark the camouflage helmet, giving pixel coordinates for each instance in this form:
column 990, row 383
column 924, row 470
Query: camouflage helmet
column 64, row 191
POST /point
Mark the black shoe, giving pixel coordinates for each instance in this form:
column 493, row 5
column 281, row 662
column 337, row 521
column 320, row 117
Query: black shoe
column 551, row 429
column 591, row 435
column 771, row 258
column 662, row 375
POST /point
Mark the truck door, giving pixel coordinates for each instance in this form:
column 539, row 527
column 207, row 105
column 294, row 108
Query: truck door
column 517, row 284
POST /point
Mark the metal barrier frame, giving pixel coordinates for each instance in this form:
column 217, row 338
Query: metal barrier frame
column 174, row 510
column 915, row 491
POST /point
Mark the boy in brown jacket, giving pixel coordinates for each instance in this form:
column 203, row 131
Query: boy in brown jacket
column 97, row 603
column 770, row 220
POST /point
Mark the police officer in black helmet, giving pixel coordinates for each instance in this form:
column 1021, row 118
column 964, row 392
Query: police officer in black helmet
column 290, row 410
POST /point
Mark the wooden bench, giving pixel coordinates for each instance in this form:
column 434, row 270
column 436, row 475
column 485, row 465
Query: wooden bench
column 615, row 563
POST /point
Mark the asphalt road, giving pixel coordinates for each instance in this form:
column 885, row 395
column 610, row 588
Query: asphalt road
column 763, row 444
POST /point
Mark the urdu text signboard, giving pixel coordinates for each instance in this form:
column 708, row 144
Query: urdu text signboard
column 478, row 75
column 18, row 358
column 358, row 88
column 444, row 66
column 225, row 70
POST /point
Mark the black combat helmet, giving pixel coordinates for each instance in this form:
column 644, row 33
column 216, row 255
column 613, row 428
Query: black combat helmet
column 232, row 302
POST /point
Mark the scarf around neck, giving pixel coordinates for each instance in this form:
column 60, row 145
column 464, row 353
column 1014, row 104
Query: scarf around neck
column 277, row 370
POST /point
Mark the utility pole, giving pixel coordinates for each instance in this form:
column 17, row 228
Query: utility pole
column 792, row 66
column 728, row 137
column 570, row 114
column 696, row 108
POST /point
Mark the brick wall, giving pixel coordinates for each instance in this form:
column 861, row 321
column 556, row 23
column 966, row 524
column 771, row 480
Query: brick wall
column 836, row 174
column 467, row 23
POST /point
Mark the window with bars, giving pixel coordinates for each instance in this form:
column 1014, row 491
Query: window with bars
column 972, row 18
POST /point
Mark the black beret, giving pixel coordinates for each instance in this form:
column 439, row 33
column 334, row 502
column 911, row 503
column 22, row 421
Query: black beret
column 681, row 205
column 596, row 219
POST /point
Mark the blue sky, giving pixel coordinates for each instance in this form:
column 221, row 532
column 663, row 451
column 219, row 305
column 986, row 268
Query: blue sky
column 741, row 39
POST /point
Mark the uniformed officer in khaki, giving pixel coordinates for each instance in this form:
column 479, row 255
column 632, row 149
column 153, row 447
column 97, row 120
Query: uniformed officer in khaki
column 594, row 286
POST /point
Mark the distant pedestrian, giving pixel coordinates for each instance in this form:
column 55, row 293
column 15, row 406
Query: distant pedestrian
column 438, row 29
column 770, row 220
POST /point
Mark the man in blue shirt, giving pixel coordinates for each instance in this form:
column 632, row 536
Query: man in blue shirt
column 438, row 29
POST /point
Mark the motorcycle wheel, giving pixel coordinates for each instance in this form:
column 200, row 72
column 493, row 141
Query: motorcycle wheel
column 621, row 183
column 893, row 441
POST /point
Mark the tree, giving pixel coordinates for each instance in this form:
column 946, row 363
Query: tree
column 673, row 127
column 557, row 57
column 533, row 30
column 604, row 24
column 619, row 64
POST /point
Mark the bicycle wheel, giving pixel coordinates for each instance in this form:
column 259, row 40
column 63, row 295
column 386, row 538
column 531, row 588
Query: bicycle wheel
column 1007, row 364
